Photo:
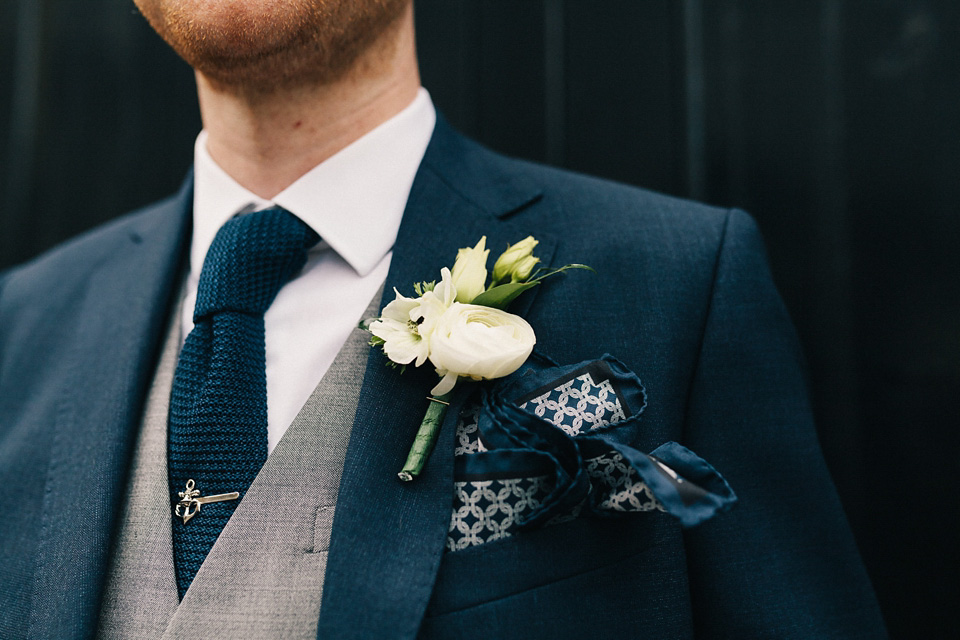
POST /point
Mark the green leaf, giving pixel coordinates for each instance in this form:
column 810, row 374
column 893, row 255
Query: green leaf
column 395, row 365
column 423, row 287
column 502, row 295
column 545, row 273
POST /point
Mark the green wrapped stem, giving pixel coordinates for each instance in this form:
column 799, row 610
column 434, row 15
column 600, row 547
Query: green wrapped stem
column 426, row 438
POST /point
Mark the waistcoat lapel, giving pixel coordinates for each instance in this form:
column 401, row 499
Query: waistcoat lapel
column 264, row 576
column 389, row 536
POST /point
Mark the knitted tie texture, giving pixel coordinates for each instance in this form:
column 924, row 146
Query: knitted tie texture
column 218, row 407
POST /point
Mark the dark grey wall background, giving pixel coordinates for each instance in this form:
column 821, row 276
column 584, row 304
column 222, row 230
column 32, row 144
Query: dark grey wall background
column 835, row 122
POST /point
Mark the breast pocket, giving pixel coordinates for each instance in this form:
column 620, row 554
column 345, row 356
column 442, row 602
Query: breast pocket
column 623, row 578
column 531, row 559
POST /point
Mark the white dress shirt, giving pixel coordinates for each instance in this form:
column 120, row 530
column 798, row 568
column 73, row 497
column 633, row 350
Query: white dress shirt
column 354, row 201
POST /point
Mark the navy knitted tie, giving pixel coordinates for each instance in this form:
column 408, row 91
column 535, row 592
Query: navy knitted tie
column 218, row 408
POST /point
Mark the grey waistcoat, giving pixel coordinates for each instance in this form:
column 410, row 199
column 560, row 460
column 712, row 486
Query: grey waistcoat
column 264, row 576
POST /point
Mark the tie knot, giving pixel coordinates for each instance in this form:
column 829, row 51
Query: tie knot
column 251, row 257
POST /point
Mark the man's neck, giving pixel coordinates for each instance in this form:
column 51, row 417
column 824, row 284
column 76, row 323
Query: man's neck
column 266, row 141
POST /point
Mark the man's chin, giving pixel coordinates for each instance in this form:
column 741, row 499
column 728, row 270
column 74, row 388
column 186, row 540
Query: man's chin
column 266, row 73
column 263, row 45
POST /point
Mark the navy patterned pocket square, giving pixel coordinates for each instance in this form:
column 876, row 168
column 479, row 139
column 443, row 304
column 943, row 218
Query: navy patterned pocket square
column 552, row 443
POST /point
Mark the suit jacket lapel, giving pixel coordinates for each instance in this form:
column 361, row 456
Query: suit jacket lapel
column 123, row 315
column 388, row 537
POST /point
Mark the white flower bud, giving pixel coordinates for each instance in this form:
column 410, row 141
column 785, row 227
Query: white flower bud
column 524, row 268
column 517, row 262
column 469, row 272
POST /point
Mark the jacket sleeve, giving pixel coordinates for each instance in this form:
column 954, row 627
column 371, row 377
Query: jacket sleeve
column 783, row 562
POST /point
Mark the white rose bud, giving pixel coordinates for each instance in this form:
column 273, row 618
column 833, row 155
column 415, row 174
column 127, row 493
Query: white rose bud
column 478, row 342
column 469, row 272
column 524, row 268
column 517, row 262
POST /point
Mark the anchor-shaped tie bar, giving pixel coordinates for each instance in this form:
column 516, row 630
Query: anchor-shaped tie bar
column 190, row 501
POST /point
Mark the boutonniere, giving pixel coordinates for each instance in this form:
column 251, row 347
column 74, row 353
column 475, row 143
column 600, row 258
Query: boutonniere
column 460, row 325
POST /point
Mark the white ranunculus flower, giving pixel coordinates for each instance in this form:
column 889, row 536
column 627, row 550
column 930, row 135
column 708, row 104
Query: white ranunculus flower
column 470, row 271
column 482, row 343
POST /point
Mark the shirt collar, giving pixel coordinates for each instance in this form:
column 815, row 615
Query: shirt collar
column 354, row 200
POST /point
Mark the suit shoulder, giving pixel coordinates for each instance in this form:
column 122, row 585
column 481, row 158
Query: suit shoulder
column 67, row 265
column 574, row 200
column 587, row 210
column 617, row 201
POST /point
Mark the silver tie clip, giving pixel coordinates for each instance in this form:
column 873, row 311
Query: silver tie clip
column 190, row 501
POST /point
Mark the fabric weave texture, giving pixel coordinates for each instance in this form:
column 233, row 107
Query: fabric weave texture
column 218, row 407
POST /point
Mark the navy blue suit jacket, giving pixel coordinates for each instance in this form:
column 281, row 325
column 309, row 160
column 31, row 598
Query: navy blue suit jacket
column 682, row 296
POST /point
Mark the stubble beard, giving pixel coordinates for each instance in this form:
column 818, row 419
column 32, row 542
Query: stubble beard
column 261, row 46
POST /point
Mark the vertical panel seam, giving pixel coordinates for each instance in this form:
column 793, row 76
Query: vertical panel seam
column 694, row 108
column 25, row 103
column 554, row 77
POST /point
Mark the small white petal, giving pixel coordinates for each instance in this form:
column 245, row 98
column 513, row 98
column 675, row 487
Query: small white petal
column 405, row 348
column 401, row 342
column 400, row 308
column 446, row 290
column 445, row 385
